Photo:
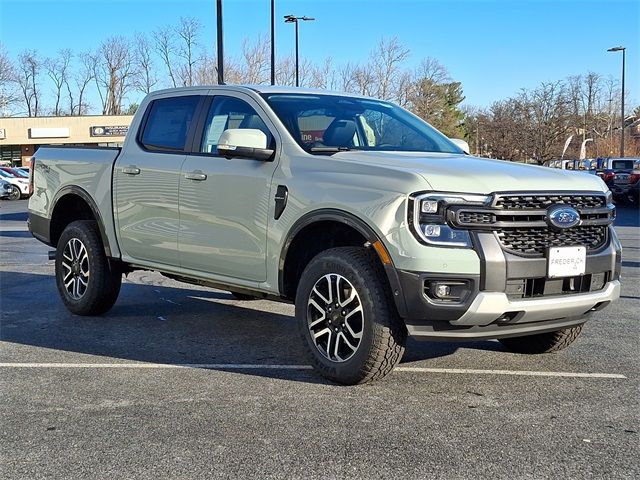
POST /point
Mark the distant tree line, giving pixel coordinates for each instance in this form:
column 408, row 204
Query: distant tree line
column 532, row 125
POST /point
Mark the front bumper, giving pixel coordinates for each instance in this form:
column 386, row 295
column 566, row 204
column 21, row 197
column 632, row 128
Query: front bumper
column 492, row 309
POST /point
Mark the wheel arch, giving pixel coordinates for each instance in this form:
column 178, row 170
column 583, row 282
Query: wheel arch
column 351, row 230
column 73, row 203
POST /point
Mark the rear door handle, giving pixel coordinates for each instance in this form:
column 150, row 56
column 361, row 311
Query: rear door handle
column 131, row 170
column 197, row 175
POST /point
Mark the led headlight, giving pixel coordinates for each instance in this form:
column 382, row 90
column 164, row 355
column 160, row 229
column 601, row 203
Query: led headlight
column 428, row 219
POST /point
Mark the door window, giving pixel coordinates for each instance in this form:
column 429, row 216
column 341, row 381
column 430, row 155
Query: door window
column 168, row 123
column 226, row 113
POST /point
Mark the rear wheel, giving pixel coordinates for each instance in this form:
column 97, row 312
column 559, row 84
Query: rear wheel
column 15, row 193
column 347, row 319
column 543, row 342
column 87, row 281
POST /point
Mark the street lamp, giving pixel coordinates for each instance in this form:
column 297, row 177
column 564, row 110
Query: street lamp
column 623, row 50
column 294, row 19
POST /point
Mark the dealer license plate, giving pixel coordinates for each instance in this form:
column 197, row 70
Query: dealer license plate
column 566, row 261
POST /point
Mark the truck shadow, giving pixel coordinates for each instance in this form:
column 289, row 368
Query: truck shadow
column 169, row 325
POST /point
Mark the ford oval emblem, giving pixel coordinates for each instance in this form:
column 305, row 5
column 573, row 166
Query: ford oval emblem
column 562, row 216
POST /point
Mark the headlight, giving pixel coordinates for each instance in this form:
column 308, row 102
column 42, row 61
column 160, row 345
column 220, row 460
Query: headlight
column 427, row 218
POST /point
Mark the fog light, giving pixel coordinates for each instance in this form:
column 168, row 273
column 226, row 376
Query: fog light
column 442, row 290
column 449, row 291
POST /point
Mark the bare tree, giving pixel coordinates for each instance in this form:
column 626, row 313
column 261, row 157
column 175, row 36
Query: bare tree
column 188, row 32
column 145, row 78
column 29, row 67
column 164, row 44
column 114, row 73
column 81, row 80
column 255, row 64
column 386, row 62
column 58, row 71
column 8, row 75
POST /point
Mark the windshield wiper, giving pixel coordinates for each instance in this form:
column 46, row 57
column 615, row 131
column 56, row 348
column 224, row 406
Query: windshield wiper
column 328, row 149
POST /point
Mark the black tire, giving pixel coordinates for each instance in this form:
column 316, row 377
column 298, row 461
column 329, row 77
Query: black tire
column 382, row 333
column 98, row 290
column 242, row 296
column 15, row 193
column 543, row 342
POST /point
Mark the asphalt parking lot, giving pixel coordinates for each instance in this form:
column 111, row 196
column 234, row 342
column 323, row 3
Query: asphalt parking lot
column 183, row 382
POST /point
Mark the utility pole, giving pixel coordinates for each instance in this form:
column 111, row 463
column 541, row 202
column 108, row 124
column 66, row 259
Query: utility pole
column 273, row 42
column 220, row 43
column 623, row 50
column 294, row 19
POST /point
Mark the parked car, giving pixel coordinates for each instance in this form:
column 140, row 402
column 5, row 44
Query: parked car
column 6, row 189
column 20, row 185
column 620, row 176
column 372, row 222
column 16, row 172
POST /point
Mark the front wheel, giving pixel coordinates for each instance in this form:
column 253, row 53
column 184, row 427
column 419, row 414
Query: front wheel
column 87, row 281
column 346, row 316
column 15, row 193
column 543, row 342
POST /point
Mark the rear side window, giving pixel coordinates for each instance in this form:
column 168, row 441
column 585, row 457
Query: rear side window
column 168, row 123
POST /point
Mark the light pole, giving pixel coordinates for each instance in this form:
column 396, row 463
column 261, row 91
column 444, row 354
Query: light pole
column 294, row 19
column 623, row 50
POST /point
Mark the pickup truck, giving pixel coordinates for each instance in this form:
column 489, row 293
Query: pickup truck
column 372, row 222
column 621, row 176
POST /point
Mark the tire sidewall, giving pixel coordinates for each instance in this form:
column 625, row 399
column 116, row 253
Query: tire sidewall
column 349, row 370
column 88, row 236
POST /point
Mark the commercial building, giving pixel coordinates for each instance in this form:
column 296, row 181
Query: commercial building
column 20, row 137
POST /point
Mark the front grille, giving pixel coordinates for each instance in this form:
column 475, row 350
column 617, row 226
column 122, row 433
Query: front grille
column 520, row 221
column 476, row 218
column 542, row 202
column 535, row 241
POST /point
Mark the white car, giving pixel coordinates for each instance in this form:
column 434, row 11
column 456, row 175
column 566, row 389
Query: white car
column 20, row 185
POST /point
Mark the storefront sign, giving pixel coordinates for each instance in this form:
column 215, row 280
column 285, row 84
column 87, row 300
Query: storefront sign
column 109, row 131
column 48, row 132
column 3, row 134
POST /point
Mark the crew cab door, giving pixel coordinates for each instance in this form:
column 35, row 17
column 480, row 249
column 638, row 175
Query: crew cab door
column 146, row 181
column 224, row 203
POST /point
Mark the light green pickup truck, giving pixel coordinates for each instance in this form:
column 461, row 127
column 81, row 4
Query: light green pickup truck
column 375, row 224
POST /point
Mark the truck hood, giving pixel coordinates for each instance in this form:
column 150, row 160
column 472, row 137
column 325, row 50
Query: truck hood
column 463, row 173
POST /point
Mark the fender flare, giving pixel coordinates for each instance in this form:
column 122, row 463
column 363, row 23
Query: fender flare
column 82, row 193
column 357, row 224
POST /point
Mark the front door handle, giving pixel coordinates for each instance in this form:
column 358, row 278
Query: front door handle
column 197, row 175
column 131, row 170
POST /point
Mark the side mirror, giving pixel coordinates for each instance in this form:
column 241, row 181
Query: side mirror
column 461, row 144
column 244, row 143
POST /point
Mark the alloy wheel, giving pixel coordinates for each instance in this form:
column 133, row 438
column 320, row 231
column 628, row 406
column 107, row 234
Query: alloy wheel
column 335, row 317
column 75, row 264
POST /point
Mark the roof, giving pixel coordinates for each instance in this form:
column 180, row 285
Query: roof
column 261, row 89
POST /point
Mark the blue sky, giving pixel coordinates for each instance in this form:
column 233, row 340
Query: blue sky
column 493, row 47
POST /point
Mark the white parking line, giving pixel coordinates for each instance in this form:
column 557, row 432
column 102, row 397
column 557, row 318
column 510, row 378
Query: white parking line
column 526, row 373
column 251, row 366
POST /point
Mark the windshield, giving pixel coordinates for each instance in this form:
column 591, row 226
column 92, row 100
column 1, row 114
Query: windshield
column 324, row 124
